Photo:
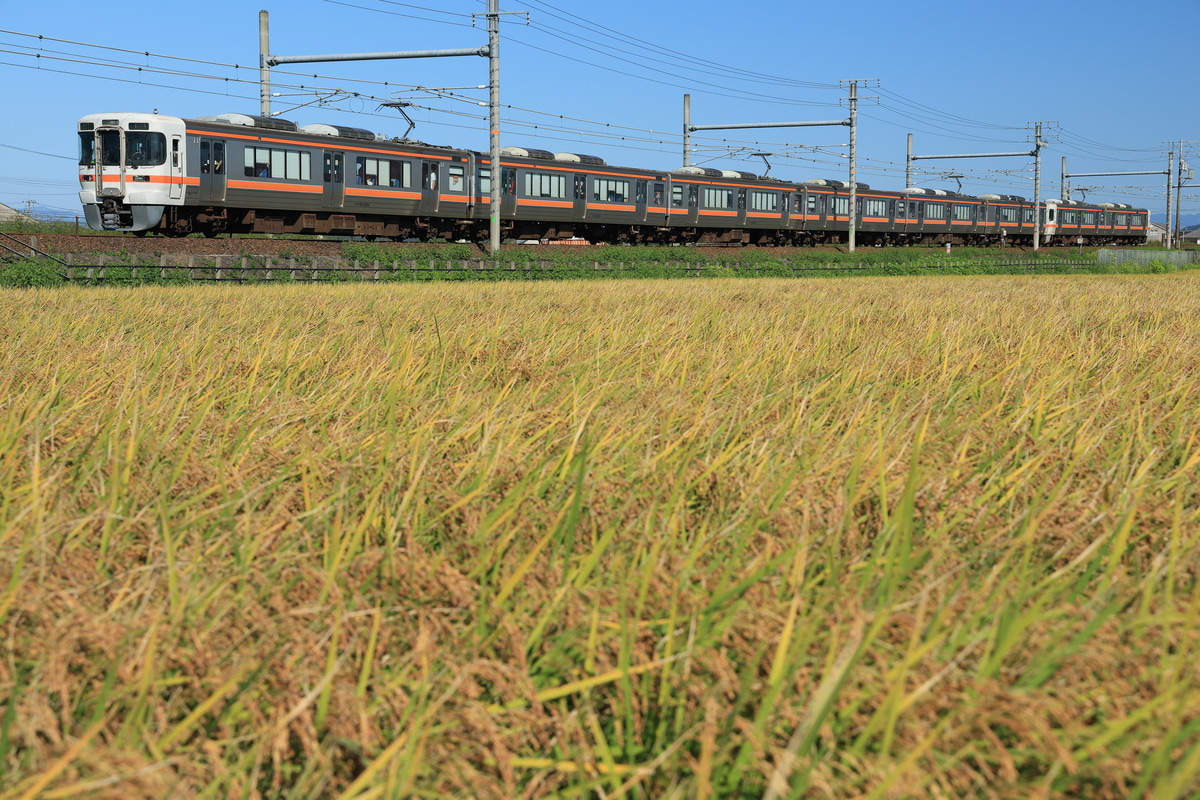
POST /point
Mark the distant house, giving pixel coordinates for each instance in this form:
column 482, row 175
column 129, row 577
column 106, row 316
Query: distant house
column 1156, row 234
column 1191, row 238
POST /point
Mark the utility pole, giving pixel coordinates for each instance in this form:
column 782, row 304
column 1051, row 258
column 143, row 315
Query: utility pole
column 908, row 165
column 493, row 13
column 492, row 51
column 853, row 199
column 687, row 130
column 1037, row 185
column 1170, row 175
column 264, row 70
column 853, row 161
column 1184, row 173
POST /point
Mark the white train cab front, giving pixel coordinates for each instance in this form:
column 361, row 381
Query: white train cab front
column 131, row 167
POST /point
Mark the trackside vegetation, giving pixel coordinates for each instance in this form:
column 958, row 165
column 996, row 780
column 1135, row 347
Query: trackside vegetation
column 376, row 263
column 782, row 538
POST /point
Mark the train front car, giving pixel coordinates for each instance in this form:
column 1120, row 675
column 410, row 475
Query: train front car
column 130, row 169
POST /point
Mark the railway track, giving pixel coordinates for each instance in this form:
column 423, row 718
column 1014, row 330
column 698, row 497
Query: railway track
column 109, row 244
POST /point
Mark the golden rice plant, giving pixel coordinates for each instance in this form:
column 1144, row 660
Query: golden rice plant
column 874, row 538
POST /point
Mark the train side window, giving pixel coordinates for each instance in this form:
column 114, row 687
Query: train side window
column 542, row 184
column 658, row 194
column 485, row 181
column 398, row 174
column 296, row 165
column 718, row 198
column 796, row 203
column 640, row 192
column 677, row 196
column 812, row 204
column 609, row 190
column 764, row 201
column 204, row 158
column 457, row 176
column 258, row 162
column 366, row 171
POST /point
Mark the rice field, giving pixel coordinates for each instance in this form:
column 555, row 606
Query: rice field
column 863, row 538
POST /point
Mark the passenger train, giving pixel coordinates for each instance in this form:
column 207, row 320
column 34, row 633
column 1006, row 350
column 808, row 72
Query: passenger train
column 236, row 173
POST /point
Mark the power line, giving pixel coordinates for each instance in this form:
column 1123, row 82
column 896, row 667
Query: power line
column 36, row 152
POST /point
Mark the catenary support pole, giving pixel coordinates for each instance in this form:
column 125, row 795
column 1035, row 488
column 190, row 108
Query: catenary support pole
column 687, row 130
column 264, row 71
column 908, row 165
column 494, row 117
column 1169, row 236
column 1180, row 176
column 853, row 210
column 1037, row 186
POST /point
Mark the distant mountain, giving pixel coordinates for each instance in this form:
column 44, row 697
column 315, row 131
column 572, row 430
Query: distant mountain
column 47, row 213
column 1186, row 221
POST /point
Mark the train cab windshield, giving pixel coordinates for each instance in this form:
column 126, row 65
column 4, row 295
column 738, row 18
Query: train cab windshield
column 142, row 148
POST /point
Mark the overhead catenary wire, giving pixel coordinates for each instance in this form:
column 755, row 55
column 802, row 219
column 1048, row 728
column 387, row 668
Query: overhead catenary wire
column 573, row 128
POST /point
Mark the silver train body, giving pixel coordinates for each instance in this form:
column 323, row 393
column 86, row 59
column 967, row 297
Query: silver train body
column 235, row 173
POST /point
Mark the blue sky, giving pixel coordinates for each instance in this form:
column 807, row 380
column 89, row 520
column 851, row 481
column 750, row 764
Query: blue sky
column 1114, row 81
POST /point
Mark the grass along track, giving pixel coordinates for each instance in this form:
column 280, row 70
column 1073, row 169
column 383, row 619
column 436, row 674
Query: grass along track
column 871, row 537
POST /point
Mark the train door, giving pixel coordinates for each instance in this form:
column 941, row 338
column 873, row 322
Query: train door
column 741, row 206
column 508, row 192
column 814, row 210
column 580, row 197
column 472, row 198
column 212, row 170
column 430, row 186
column 110, row 157
column 335, row 179
column 484, row 186
column 639, row 198
column 176, row 187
